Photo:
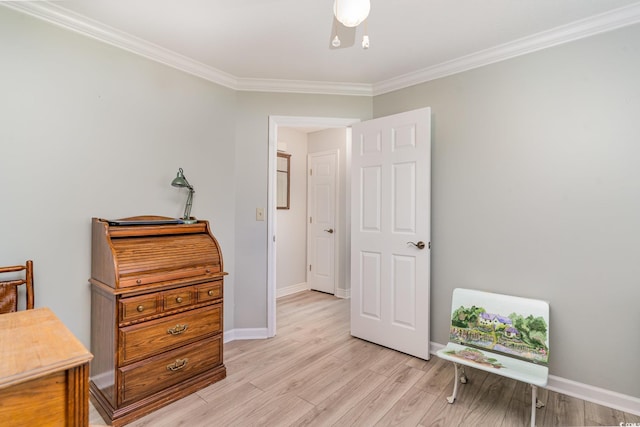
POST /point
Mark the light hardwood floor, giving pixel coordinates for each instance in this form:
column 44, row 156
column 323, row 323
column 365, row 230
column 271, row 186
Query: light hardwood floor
column 314, row 373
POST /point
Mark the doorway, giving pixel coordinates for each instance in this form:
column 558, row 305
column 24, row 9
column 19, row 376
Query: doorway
column 316, row 123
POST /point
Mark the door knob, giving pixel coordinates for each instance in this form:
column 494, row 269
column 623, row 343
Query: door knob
column 330, row 231
column 419, row 245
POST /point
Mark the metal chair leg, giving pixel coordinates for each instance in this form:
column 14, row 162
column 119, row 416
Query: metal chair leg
column 535, row 404
column 534, row 393
column 452, row 398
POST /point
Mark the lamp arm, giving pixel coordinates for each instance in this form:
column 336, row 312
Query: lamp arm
column 187, row 207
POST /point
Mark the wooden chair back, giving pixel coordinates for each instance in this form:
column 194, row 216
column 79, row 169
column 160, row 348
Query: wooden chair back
column 9, row 288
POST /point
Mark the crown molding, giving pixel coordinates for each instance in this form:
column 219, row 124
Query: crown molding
column 54, row 14
column 608, row 21
column 304, row 86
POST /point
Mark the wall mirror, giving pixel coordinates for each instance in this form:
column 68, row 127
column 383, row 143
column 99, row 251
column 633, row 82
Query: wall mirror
column 283, row 180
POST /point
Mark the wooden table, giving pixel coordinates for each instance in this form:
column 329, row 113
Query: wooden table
column 44, row 371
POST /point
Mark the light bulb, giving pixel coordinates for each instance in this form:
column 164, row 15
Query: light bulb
column 351, row 13
column 365, row 42
column 336, row 41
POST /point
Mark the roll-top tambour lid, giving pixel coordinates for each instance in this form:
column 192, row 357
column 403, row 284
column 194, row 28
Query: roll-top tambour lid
column 129, row 256
column 143, row 260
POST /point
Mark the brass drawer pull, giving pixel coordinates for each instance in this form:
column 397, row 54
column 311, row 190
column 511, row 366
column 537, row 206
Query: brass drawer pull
column 179, row 300
column 177, row 365
column 210, row 292
column 178, row 329
column 140, row 308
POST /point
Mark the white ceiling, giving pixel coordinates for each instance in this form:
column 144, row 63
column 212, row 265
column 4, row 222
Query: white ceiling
column 285, row 44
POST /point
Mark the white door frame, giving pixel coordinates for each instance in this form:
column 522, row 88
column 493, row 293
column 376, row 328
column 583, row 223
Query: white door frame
column 274, row 122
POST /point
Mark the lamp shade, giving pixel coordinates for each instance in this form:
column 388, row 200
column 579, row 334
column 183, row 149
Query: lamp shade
column 180, row 180
column 351, row 13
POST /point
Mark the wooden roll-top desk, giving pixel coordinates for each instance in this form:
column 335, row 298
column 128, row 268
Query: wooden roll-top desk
column 156, row 314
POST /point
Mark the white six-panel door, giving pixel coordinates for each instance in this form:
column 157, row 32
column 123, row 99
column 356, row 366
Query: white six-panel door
column 390, row 216
column 322, row 227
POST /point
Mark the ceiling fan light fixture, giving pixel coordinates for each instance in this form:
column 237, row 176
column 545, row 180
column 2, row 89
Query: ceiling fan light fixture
column 365, row 42
column 351, row 13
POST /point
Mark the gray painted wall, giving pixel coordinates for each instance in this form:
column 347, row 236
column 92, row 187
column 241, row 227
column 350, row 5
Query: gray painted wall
column 291, row 224
column 88, row 130
column 536, row 192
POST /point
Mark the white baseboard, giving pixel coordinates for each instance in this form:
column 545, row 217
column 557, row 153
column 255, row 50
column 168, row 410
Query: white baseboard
column 593, row 394
column 245, row 334
column 343, row 293
column 300, row 287
column 434, row 347
column 293, row 289
column 582, row 391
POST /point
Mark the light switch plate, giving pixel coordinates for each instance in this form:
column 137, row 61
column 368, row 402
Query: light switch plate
column 259, row 214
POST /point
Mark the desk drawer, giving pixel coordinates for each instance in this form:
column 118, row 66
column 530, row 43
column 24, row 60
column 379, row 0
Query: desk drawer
column 138, row 307
column 209, row 291
column 149, row 376
column 177, row 298
column 156, row 336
